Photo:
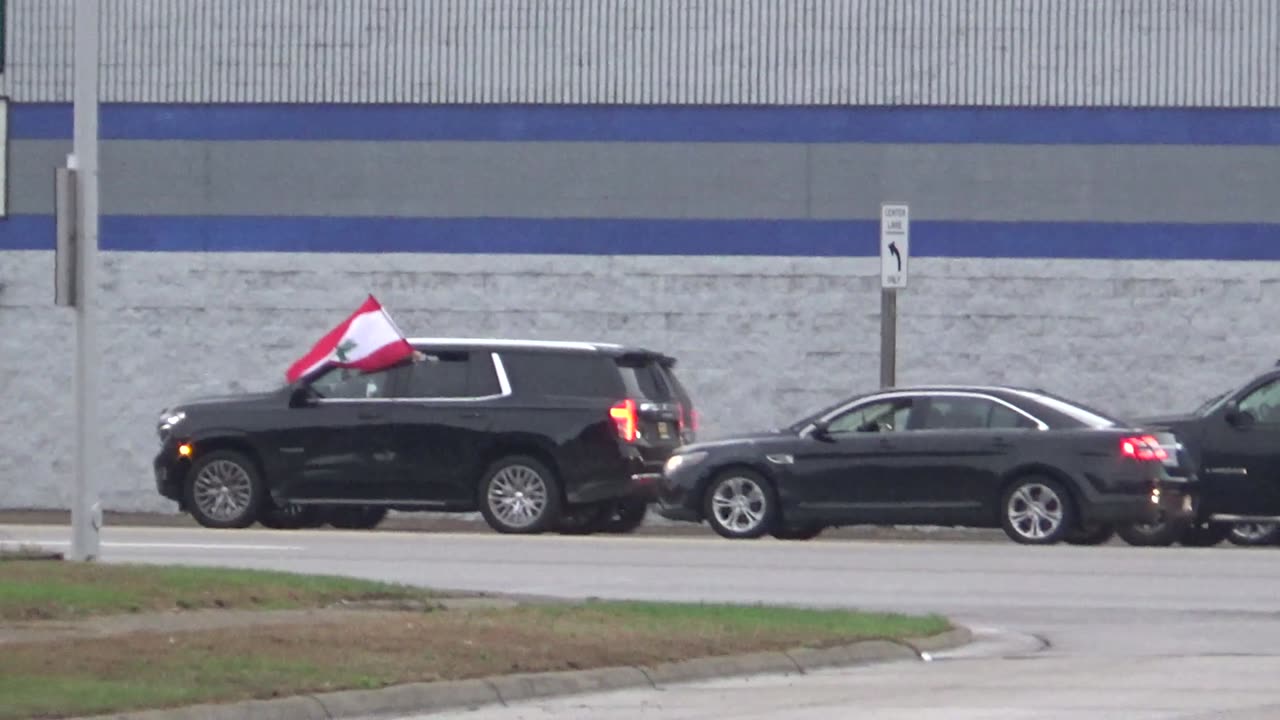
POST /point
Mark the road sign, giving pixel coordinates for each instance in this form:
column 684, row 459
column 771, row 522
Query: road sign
column 895, row 242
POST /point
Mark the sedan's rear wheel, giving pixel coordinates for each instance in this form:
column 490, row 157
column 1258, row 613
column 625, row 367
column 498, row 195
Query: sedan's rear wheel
column 740, row 505
column 1036, row 511
column 804, row 531
column 1254, row 534
column 289, row 516
column 626, row 516
column 224, row 490
column 519, row 495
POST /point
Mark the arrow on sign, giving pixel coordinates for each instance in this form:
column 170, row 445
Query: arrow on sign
column 893, row 248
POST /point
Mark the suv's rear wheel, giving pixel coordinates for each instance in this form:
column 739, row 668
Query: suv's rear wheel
column 583, row 519
column 224, row 490
column 519, row 495
column 740, row 505
column 1204, row 535
column 804, row 531
column 1161, row 533
column 1036, row 511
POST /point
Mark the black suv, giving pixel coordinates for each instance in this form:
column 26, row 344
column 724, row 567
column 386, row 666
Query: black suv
column 1234, row 441
column 535, row 435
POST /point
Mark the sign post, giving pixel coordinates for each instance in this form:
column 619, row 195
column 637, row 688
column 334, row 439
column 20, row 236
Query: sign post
column 86, row 513
column 895, row 235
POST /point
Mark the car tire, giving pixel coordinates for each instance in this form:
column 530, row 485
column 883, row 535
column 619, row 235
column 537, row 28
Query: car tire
column 626, row 516
column 1204, row 535
column 741, row 495
column 366, row 517
column 1254, row 534
column 224, row 490
column 1036, row 510
column 1093, row 535
column 1157, row 534
column 805, row 531
column 520, row 495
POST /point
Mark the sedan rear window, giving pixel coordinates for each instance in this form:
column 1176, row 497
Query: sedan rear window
column 1074, row 411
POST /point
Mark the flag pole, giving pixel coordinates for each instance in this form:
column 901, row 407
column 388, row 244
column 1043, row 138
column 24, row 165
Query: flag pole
column 86, row 513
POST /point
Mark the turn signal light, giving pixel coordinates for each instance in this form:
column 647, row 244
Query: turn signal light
column 626, row 418
column 1142, row 448
column 184, row 449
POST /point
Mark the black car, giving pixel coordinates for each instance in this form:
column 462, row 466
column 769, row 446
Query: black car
column 535, row 435
column 1041, row 467
column 1234, row 443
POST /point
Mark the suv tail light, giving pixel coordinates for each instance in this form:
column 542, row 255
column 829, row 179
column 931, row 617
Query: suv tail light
column 626, row 418
column 688, row 418
column 1142, row 448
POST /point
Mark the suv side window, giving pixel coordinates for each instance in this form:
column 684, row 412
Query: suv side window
column 562, row 374
column 351, row 384
column 884, row 416
column 440, row 375
column 1264, row 403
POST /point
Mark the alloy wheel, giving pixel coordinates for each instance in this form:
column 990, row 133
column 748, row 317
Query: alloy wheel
column 518, row 496
column 1035, row 511
column 740, row 504
column 223, row 490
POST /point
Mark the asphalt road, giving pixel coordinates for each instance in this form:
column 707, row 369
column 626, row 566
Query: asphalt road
column 1067, row 632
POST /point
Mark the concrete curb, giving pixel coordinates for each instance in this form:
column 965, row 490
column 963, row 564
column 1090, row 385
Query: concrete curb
column 419, row 698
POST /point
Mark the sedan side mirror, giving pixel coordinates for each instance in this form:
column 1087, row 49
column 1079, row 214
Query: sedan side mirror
column 822, row 430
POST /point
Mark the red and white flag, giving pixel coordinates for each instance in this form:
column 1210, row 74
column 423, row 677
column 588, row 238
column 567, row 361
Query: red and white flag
column 368, row 341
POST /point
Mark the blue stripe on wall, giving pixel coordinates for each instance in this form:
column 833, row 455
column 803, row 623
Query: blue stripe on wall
column 854, row 238
column 1176, row 126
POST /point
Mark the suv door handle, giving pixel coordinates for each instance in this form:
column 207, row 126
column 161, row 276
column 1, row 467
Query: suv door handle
column 369, row 415
column 472, row 414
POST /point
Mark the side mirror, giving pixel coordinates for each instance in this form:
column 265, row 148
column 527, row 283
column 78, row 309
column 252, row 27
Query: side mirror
column 1236, row 417
column 302, row 397
column 822, row 430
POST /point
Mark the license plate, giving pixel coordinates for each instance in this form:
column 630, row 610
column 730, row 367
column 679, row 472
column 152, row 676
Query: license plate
column 664, row 431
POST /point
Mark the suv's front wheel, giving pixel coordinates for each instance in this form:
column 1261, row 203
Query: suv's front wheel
column 519, row 495
column 224, row 490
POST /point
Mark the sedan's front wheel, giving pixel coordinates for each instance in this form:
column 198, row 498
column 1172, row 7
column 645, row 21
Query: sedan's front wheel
column 740, row 505
column 1037, row 511
column 520, row 495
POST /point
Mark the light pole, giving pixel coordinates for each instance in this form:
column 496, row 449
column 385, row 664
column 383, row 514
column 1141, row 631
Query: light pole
column 86, row 515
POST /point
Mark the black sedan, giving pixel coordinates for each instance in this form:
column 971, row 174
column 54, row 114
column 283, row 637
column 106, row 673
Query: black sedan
column 1043, row 468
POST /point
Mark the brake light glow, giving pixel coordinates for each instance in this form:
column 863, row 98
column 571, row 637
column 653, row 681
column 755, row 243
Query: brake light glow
column 1145, row 448
column 626, row 418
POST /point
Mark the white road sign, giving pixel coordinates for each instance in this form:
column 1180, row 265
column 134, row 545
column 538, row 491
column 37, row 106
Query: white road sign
column 895, row 235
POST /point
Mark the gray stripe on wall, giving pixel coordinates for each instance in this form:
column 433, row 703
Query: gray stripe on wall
column 677, row 181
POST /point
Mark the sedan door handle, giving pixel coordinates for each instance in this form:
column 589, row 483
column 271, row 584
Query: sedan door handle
column 369, row 415
column 472, row 414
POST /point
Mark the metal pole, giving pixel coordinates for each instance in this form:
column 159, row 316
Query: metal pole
column 888, row 337
column 86, row 516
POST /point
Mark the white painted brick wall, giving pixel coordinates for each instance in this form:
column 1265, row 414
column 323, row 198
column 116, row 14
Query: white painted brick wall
column 759, row 339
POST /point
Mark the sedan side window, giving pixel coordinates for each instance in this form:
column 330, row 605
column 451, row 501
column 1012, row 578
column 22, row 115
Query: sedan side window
column 885, row 416
column 970, row 413
column 1264, row 403
column 351, row 384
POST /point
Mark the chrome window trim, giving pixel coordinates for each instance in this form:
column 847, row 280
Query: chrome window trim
column 1041, row 426
column 513, row 344
column 504, row 391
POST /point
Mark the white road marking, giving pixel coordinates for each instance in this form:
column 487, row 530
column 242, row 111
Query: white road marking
column 18, row 544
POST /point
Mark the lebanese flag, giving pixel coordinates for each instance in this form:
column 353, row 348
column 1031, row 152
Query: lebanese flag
column 368, row 341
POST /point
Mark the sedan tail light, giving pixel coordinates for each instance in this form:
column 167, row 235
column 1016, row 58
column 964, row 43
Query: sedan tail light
column 1145, row 448
column 626, row 418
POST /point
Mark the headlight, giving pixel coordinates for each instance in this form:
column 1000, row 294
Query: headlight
column 676, row 462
